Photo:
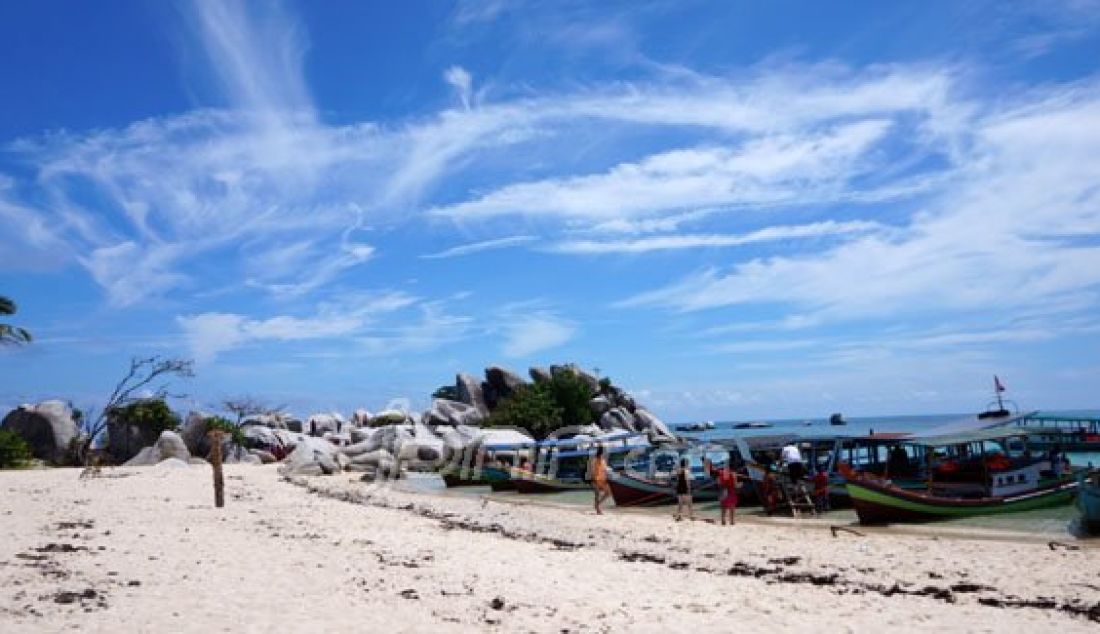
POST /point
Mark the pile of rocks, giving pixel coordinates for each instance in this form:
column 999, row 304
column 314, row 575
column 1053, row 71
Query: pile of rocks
column 325, row 443
column 613, row 408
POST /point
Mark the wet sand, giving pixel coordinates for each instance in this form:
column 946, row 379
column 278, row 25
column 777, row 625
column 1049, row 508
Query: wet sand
column 143, row 549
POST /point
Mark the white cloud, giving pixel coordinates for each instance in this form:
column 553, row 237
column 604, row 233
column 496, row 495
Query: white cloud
column 526, row 334
column 459, row 78
column 1006, row 234
column 694, row 241
column 772, row 169
column 477, row 247
column 210, row 334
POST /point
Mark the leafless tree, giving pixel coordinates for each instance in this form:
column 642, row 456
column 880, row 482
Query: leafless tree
column 244, row 406
column 146, row 373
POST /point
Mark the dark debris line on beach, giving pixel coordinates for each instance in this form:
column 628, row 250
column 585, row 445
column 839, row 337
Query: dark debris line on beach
column 776, row 573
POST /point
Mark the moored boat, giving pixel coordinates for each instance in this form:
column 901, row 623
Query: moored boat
column 979, row 473
column 1088, row 498
column 878, row 502
column 562, row 464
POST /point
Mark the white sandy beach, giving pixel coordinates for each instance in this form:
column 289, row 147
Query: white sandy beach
column 143, row 549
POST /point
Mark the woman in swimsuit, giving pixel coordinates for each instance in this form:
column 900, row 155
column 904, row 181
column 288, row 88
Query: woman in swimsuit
column 683, row 491
column 599, row 480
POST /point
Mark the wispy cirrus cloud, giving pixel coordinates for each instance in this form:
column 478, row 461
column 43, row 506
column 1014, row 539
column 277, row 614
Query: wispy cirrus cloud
column 527, row 328
column 477, row 247
column 1015, row 228
column 773, row 170
column 695, row 241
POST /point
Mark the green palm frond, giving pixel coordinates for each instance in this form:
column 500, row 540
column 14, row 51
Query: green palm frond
column 14, row 334
column 7, row 307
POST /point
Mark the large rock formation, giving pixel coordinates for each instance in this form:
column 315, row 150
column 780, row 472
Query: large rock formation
column 657, row 430
column 599, row 405
column 194, row 433
column 125, row 440
column 48, row 428
column 168, row 445
column 312, row 456
column 540, row 375
column 499, row 384
column 391, row 417
column 444, row 412
column 617, row 418
column 470, row 393
column 320, row 424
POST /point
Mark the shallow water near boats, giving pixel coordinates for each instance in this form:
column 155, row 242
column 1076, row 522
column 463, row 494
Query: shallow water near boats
column 1056, row 523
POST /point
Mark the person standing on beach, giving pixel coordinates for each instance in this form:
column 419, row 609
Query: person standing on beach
column 683, row 491
column 727, row 493
column 600, row 486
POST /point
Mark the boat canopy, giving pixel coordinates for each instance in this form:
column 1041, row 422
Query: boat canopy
column 980, row 435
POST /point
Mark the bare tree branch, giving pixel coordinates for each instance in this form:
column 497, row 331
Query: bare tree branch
column 142, row 372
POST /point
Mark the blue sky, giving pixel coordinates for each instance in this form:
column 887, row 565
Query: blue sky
column 735, row 209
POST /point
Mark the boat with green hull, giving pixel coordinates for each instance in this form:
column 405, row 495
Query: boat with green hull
column 977, row 473
column 882, row 503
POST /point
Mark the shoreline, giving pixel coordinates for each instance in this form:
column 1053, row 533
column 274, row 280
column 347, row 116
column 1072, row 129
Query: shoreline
column 145, row 547
column 930, row 529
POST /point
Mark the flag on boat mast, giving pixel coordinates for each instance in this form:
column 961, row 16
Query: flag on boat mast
column 997, row 385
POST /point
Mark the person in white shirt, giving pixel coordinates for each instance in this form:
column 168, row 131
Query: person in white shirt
column 793, row 459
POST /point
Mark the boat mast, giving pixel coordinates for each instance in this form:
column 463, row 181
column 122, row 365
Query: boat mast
column 997, row 389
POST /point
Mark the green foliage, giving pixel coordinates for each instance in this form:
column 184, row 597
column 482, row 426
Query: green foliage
column 446, row 392
column 226, row 426
column 151, row 414
column 530, row 408
column 605, row 386
column 571, row 394
column 14, row 451
column 541, row 408
column 11, row 334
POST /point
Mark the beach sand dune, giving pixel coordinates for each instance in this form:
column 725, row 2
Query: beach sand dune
column 143, row 549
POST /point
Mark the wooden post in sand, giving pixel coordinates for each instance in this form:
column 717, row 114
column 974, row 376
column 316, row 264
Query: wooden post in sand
column 216, row 462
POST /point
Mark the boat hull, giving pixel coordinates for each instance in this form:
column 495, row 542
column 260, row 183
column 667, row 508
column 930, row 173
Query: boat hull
column 880, row 503
column 1088, row 502
column 530, row 483
column 497, row 479
column 628, row 490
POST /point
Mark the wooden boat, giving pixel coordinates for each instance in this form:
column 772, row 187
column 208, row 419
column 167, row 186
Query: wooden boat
column 487, row 459
column 878, row 502
column 652, row 481
column 528, row 482
column 562, row 464
column 635, row 490
column 968, row 474
column 496, row 478
column 1088, row 498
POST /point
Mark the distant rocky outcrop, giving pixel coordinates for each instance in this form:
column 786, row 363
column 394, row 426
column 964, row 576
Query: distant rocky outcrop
column 48, row 428
column 613, row 408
